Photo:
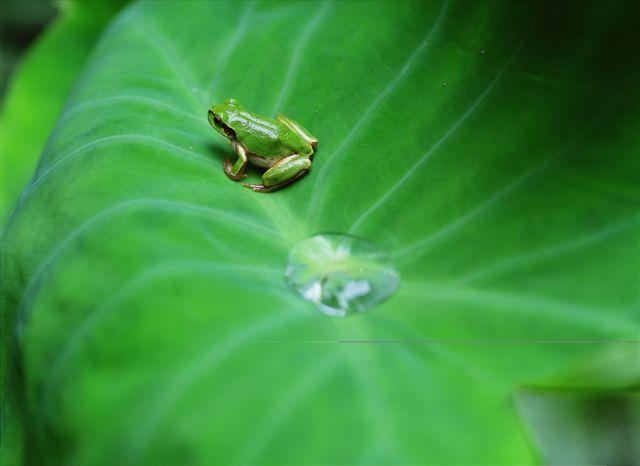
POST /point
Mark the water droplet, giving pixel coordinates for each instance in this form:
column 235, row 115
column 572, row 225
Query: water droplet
column 444, row 83
column 340, row 274
column 483, row 51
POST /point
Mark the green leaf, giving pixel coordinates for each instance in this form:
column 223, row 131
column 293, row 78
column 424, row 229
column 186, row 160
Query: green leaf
column 491, row 148
column 40, row 87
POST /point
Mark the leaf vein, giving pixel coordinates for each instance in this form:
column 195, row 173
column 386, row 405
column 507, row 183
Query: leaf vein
column 301, row 43
column 364, row 118
column 103, row 142
column 231, row 44
column 413, row 251
column 101, row 310
column 459, row 122
column 184, row 207
column 222, row 350
column 516, row 261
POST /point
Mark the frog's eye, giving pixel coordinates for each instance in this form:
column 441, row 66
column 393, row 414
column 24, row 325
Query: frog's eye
column 214, row 119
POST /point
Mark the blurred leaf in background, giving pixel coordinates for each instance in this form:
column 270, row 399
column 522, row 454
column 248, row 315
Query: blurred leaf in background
column 582, row 427
column 41, row 82
column 490, row 147
column 20, row 22
column 30, row 105
column 591, row 413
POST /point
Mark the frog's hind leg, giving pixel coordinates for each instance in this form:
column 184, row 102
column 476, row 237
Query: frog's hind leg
column 236, row 171
column 282, row 173
column 260, row 188
column 298, row 128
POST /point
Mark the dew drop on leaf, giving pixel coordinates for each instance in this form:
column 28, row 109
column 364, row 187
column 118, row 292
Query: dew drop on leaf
column 341, row 274
column 444, row 83
column 483, row 51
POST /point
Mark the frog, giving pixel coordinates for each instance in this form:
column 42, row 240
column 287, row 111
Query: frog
column 280, row 144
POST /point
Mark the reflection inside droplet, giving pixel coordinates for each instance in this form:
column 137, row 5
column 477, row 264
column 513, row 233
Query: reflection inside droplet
column 341, row 274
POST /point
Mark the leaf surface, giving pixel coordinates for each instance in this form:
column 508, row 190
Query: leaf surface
column 491, row 148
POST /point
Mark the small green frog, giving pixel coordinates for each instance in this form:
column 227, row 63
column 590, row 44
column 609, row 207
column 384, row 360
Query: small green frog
column 281, row 145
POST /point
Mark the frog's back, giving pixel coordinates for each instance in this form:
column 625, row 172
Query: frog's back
column 267, row 137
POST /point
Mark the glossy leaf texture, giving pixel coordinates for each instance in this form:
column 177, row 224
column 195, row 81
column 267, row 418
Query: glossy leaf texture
column 490, row 147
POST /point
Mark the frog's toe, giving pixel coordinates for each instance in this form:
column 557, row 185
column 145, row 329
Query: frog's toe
column 228, row 170
column 260, row 188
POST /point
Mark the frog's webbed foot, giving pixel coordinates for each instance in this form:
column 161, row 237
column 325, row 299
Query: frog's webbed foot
column 236, row 171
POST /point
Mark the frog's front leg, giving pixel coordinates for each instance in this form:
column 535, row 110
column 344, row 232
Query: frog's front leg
column 297, row 127
column 236, row 171
column 282, row 173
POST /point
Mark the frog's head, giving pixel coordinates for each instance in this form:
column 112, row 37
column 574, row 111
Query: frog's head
column 221, row 115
